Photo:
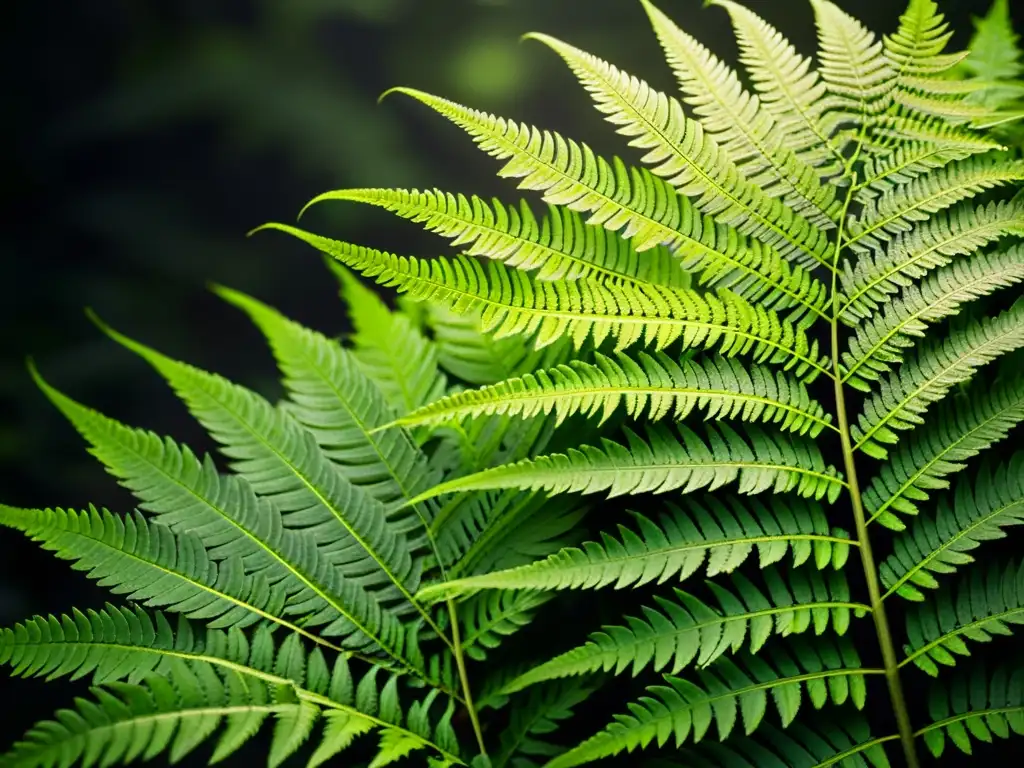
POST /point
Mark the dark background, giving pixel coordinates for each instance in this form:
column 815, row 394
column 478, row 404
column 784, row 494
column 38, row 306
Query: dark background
column 144, row 140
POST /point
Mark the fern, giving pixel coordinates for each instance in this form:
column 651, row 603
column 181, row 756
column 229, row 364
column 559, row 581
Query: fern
column 819, row 259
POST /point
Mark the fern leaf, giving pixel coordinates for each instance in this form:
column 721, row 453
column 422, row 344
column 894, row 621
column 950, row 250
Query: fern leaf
column 879, row 343
column 648, row 387
column 689, row 159
column 929, row 375
column 392, row 352
column 684, row 630
column 896, row 210
column 977, row 704
column 917, row 48
column 961, row 429
column 857, row 75
column 489, row 617
column 284, row 463
column 940, row 543
column 666, row 462
column 467, row 352
column 534, row 719
column 788, row 86
column 727, row 694
column 337, row 403
column 746, row 133
column 718, row 537
column 995, row 54
column 870, row 282
column 184, row 706
column 911, row 148
column 983, row 603
column 560, row 246
column 511, row 302
column 813, row 741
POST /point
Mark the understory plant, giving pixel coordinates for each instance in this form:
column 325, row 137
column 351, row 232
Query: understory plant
column 693, row 467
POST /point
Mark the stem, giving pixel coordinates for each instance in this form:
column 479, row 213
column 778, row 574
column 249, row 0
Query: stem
column 867, row 558
column 460, row 662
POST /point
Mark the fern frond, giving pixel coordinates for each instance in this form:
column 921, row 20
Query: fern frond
column 560, row 246
column 917, row 48
column 511, row 302
column 644, row 207
column 911, row 148
column 983, row 603
column 717, row 535
column 728, row 692
column 393, row 353
column 186, row 704
column 788, row 86
column 489, row 617
column 341, row 408
column 649, row 387
column 689, row 159
column 929, row 375
column 813, row 741
column 159, row 568
column 939, row 543
column 873, row 278
column 746, row 133
column 465, row 351
column 857, row 75
column 684, row 630
column 895, row 211
column 535, row 718
column 879, row 343
column 283, row 463
column 665, row 461
column 976, row 704
column 960, row 430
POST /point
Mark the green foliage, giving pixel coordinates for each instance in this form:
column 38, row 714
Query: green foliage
column 815, row 260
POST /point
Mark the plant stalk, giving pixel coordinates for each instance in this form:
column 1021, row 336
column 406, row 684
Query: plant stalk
column 867, row 558
column 460, row 662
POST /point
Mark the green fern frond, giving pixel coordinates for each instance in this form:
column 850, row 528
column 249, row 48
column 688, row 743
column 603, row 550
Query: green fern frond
column 333, row 399
column 560, row 246
column 159, row 568
column 929, row 375
column 730, row 693
column 185, row 705
column 284, row 464
column 393, row 353
column 665, row 461
column 464, row 350
column 489, row 617
column 879, row 343
column 858, row 76
column 961, row 429
column 648, row 387
column 746, row 133
column 917, row 49
column 995, row 52
column 977, row 705
column 813, row 741
column 896, row 211
column 983, row 603
column 689, row 159
column 912, row 147
column 684, row 630
column 535, row 718
column 511, row 302
column 644, row 207
column 870, row 281
column 788, row 86
column 939, row 543
column 717, row 535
